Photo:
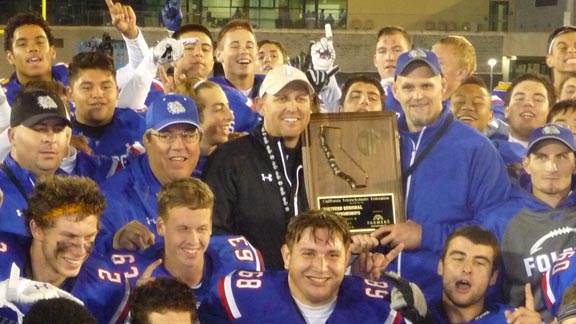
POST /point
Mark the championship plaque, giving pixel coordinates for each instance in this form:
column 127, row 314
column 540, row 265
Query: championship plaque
column 352, row 167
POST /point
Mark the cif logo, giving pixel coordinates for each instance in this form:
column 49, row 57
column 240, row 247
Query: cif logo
column 266, row 177
column 369, row 141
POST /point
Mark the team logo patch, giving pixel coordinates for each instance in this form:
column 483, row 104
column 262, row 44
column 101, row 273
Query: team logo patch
column 417, row 53
column 175, row 107
column 46, row 102
column 550, row 130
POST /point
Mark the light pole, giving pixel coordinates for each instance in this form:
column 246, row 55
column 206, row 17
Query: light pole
column 492, row 62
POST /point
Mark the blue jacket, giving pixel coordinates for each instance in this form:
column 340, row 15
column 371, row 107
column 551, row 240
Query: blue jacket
column 130, row 195
column 461, row 177
column 95, row 167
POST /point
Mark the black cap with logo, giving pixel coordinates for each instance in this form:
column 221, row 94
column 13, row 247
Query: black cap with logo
column 31, row 107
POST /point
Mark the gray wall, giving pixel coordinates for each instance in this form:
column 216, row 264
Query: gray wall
column 354, row 49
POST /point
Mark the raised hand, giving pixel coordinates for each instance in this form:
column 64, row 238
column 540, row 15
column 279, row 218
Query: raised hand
column 123, row 19
column 323, row 52
column 172, row 15
column 526, row 314
column 371, row 265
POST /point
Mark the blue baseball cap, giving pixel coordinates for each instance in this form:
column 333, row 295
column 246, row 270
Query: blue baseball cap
column 554, row 132
column 418, row 55
column 172, row 109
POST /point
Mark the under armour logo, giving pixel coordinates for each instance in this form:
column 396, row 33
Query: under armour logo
column 19, row 213
column 266, row 177
column 150, row 221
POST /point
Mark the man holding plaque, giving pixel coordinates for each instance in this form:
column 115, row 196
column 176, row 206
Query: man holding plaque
column 258, row 179
column 451, row 173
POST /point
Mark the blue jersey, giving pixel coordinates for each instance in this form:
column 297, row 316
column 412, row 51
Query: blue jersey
column 12, row 86
column 103, row 289
column 114, row 139
column 491, row 315
column 245, row 115
column 559, row 278
column 264, row 297
column 224, row 255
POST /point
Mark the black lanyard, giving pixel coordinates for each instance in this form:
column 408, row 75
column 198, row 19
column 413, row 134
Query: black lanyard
column 428, row 148
column 15, row 181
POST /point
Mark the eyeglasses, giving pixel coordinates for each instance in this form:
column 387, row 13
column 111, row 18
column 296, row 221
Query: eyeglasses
column 187, row 137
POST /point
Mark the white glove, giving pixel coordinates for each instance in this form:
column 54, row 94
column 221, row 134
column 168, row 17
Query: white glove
column 25, row 291
column 406, row 297
column 323, row 54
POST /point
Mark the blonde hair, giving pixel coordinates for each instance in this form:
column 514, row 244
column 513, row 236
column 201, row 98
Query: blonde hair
column 191, row 87
column 465, row 51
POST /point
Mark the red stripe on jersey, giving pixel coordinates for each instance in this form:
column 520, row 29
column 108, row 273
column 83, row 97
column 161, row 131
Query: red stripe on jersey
column 545, row 290
column 222, row 293
column 157, row 85
column 398, row 318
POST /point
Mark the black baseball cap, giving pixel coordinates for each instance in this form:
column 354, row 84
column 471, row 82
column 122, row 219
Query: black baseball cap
column 31, row 107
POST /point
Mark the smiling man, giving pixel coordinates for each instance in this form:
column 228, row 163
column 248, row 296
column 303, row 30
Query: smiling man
column 172, row 143
column 189, row 252
column 39, row 137
column 237, row 51
column 470, row 104
column 561, row 54
column 536, row 225
column 258, row 179
column 314, row 289
column 94, row 94
column 451, row 173
column 62, row 218
column 526, row 107
column 29, row 47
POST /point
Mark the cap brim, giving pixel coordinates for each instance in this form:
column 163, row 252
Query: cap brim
column 417, row 59
column 174, row 122
column 38, row 118
column 531, row 146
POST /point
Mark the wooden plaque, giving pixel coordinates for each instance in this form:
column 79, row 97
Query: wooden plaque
column 352, row 167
